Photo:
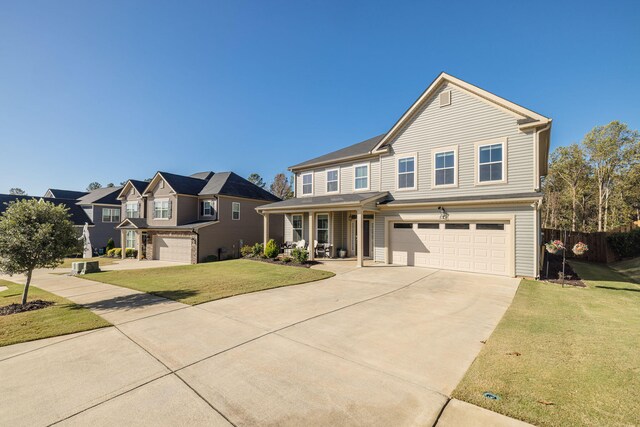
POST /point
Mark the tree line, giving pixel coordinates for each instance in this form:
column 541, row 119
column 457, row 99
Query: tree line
column 594, row 185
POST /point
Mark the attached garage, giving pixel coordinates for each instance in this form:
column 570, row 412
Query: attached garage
column 172, row 248
column 478, row 247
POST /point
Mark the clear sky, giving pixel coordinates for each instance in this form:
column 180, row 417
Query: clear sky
column 110, row 90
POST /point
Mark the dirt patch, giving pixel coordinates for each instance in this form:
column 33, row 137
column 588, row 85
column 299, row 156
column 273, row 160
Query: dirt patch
column 554, row 272
column 29, row 306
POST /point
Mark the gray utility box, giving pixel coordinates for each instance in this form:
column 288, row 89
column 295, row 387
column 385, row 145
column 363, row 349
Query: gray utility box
column 85, row 267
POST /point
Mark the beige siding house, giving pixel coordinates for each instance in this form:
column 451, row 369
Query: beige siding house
column 454, row 184
column 193, row 218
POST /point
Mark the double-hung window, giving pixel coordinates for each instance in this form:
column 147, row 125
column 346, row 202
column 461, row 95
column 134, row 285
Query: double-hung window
column 161, row 209
column 407, row 173
column 445, row 168
column 296, row 222
column 207, row 208
column 361, row 177
column 491, row 162
column 133, row 210
column 307, row 183
column 235, row 211
column 322, row 222
column 332, row 181
column 131, row 239
column 110, row 215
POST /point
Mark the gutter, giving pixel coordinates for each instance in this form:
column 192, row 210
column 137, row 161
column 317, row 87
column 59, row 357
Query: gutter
column 339, row 160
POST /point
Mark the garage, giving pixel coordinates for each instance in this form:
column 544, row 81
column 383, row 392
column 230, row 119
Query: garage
column 176, row 249
column 464, row 246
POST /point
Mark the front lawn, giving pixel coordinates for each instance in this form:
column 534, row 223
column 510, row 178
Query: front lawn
column 195, row 284
column 564, row 356
column 630, row 268
column 63, row 317
column 103, row 261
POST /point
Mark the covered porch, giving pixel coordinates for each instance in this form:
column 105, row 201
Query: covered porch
column 328, row 226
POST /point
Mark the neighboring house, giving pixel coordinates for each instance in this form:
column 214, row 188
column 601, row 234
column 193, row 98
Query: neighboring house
column 192, row 218
column 103, row 209
column 76, row 214
column 454, row 184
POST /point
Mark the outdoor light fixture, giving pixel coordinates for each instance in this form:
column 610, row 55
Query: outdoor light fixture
column 443, row 213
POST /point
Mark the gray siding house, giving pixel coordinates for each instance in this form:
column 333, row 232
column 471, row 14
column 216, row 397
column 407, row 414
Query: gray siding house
column 191, row 218
column 454, row 184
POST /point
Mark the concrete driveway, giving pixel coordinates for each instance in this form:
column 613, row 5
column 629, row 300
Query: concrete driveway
column 380, row 345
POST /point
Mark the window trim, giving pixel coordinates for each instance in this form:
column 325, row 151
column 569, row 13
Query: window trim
column 213, row 208
column 441, row 150
column 155, row 217
column 135, row 240
column 316, row 218
column 111, row 216
column 137, row 210
column 414, row 156
column 326, row 180
column 233, row 210
column 357, row 165
column 476, row 162
column 302, row 193
column 293, row 229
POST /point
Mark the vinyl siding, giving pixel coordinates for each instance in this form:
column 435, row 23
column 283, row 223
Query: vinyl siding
column 345, row 184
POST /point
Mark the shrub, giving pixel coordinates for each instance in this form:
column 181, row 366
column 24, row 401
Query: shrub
column 300, row 255
column 271, row 250
column 110, row 244
column 246, row 250
column 117, row 252
column 625, row 245
column 130, row 252
column 257, row 249
column 287, row 259
column 210, row 258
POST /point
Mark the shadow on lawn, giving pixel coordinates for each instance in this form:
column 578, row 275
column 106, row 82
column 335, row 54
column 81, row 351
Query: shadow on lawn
column 138, row 300
column 596, row 272
column 618, row 289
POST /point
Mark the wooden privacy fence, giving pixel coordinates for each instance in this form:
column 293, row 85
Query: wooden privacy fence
column 599, row 250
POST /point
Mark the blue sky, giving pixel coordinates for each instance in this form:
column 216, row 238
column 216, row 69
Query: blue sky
column 110, row 90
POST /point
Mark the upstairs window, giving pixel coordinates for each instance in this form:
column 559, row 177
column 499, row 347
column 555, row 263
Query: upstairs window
column 133, row 210
column 235, row 211
column 162, row 209
column 307, row 183
column 110, row 215
column 332, row 181
column 207, row 208
column 361, row 177
column 445, row 168
column 407, row 173
column 491, row 163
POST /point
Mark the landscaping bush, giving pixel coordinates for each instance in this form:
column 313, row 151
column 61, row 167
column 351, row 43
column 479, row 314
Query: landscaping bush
column 625, row 245
column 271, row 250
column 130, row 252
column 210, row 258
column 300, row 255
column 246, row 251
column 110, row 244
column 114, row 253
column 257, row 249
column 287, row 259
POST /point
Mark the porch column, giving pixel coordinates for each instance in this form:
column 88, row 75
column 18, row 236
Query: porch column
column 265, row 228
column 139, row 244
column 123, row 243
column 312, row 236
column 360, row 246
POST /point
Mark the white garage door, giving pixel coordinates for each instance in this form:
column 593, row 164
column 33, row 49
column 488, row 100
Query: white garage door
column 172, row 249
column 474, row 247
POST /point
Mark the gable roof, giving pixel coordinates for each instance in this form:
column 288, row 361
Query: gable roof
column 231, row 184
column 202, row 175
column 103, row 196
column 138, row 185
column 65, row 194
column 180, row 184
column 77, row 215
column 356, row 150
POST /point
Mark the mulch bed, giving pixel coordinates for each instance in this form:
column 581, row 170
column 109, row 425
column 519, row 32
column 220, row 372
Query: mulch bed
column 555, row 271
column 280, row 262
column 29, row 306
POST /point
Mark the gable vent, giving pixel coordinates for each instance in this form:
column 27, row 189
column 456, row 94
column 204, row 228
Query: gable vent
column 445, row 98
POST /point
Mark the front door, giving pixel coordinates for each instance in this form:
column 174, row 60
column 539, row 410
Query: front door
column 366, row 243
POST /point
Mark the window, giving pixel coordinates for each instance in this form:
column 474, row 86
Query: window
column 161, row 209
column 133, row 191
column 407, row 172
column 110, row 215
column 429, row 225
column 489, row 226
column 161, row 184
column 207, row 208
column 296, row 222
column 131, row 239
column 332, row 181
column 456, row 226
column 133, row 210
column 361, row 177
column 402, row 225
column 307, row 183
column 490, row 165
column 445, row 168
column 322, row 233
column 235, row 211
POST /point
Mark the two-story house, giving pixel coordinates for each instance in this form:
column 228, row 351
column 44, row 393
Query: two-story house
column 191, row 218
column 103, row 209
column 454, row 184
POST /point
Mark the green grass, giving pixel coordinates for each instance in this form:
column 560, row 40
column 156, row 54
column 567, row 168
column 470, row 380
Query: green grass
column 196, row 284
column 630, row 268
column 63, row 317
column 103, row 261
column 579, row 350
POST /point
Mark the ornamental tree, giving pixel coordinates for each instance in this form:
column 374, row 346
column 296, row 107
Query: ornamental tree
column 34, row 234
